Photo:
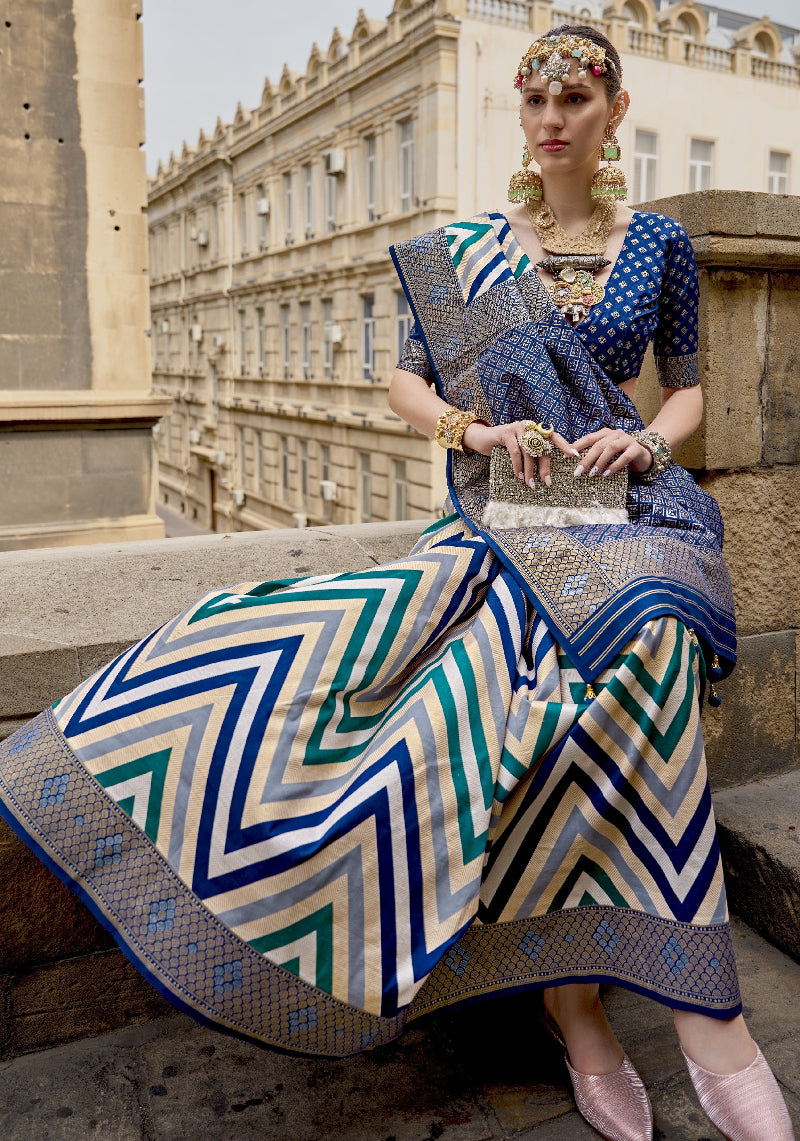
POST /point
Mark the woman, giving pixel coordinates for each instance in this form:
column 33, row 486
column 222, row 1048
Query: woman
column 570, row 231
column 311, row 810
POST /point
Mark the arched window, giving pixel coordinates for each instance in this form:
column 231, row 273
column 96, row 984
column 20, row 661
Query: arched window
column 762, row 46
column 686, row 26
column 634, row 14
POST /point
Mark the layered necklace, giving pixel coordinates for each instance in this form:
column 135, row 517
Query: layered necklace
column 573, row 260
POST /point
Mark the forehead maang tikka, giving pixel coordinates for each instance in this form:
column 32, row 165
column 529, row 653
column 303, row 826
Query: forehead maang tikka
column 552, row 57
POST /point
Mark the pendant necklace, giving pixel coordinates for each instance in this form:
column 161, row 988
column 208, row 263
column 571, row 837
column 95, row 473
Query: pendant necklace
column 573, row 260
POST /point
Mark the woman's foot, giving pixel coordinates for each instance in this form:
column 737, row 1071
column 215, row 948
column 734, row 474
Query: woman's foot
column 732, row 1079
column 609, row 1093
column 578, row 1012
column 721, row 1046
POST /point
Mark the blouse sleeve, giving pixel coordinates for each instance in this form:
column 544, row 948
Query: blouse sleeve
column 675, row 340
column 415, row 358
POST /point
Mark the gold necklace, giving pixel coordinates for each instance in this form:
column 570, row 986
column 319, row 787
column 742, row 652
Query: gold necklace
column 573, row 259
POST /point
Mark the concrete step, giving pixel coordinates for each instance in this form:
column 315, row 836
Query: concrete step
column 484, row 1073
column 759, row 832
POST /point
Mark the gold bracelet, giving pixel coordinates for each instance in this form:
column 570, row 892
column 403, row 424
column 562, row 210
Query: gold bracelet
column 659, row 449
column 451, row 426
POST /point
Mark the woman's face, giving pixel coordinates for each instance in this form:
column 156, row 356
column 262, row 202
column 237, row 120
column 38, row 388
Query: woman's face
column 564, row 131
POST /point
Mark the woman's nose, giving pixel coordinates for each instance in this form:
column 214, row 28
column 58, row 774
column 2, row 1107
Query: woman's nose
column 552, row 116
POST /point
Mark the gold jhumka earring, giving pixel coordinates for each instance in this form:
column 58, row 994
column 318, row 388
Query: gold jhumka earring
column 609, row 181
column 525, row 185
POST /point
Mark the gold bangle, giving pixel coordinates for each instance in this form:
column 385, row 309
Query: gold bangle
column 451, row 426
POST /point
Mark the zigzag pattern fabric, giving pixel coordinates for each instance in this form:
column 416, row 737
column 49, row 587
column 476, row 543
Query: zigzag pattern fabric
column 380, row 781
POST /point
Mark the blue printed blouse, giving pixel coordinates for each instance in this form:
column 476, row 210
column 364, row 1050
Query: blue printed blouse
column 652, row 294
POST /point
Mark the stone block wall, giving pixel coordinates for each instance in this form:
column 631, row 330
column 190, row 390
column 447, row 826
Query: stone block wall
column 747, row 455
column 76, row 409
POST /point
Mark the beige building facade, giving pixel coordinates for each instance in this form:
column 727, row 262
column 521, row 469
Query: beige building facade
column 277, row 318
column 76, row 406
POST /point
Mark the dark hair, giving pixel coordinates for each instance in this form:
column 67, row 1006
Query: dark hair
column 612, row 76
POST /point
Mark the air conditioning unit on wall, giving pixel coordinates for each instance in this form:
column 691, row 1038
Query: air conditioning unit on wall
column 299, row 519
column 328, row 490
column 335, row 162
column 202, row 237
column 196, row 332
column 239, row 497
column 262, row 206
column 334, row 334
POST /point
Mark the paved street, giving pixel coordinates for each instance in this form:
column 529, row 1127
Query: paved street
column 486, row 1073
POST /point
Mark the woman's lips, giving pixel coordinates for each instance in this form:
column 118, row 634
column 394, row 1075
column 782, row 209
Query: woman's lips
column 552, row 146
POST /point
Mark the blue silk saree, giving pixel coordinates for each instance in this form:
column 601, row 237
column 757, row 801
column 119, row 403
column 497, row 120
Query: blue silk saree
column 310, row 811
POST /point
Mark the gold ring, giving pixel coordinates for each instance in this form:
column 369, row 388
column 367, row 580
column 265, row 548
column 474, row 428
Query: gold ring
column 533, row 443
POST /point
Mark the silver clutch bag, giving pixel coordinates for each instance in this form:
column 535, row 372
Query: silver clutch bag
column 568, row 502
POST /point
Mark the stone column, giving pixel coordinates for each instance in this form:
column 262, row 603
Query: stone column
column 747, row 452
column 76, row 408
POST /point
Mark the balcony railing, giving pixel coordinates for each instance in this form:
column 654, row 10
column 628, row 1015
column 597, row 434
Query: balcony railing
column 512, row 13
column 775, row 71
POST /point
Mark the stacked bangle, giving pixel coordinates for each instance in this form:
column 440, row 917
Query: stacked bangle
column 659, row 449
column 451, row 426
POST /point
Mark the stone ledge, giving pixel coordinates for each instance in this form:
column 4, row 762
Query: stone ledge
column 66, row 611
column 759, row 832
column 733, row 213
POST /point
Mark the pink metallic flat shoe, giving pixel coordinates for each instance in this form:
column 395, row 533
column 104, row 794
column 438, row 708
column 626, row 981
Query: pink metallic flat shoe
column 615, row 1104
column 745, row 1106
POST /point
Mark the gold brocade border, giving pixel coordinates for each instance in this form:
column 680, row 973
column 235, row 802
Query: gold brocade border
column 72, row 824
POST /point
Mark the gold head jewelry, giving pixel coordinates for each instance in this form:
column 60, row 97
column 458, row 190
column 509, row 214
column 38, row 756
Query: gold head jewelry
column 609, row 181
column 552, row 56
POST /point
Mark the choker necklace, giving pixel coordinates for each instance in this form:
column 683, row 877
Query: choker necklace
column 573, row 260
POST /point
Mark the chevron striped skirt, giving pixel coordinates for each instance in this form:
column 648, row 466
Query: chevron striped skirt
column 312, row 810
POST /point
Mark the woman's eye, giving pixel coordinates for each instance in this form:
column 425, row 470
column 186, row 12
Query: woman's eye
column 575, row 98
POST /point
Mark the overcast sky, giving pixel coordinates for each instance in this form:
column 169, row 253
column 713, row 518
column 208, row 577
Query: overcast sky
column 203, row 56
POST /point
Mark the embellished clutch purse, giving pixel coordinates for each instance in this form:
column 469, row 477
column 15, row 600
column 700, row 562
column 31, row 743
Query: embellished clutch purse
column 568, row 502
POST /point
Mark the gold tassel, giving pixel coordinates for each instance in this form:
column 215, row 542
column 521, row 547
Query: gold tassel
column 525, row 184
column 609, row 181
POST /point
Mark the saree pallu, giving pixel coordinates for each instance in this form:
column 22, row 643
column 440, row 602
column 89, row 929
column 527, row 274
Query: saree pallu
column 311, row 811
column 498, row 346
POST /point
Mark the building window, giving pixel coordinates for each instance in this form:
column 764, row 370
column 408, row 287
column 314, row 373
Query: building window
column 368, row 336
column 308, row 200
column 262, row 342
column 288, row 207
column 327, row 343
column 372, row 177
column 701, row 162
column 262, row 217
column 286, row 342
column 778, row 177
column 399, row 489
column 261, row 462
column 325, row 474
column 406, row 164
column 304, row 472
column 645, row 165
column 243, row 223
column 213, row 392
column 305, row 338
column 241, row 458
column 365, row 487
column 403, row 323
column 331, row 193
column 242, row 343
column 286, row 474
